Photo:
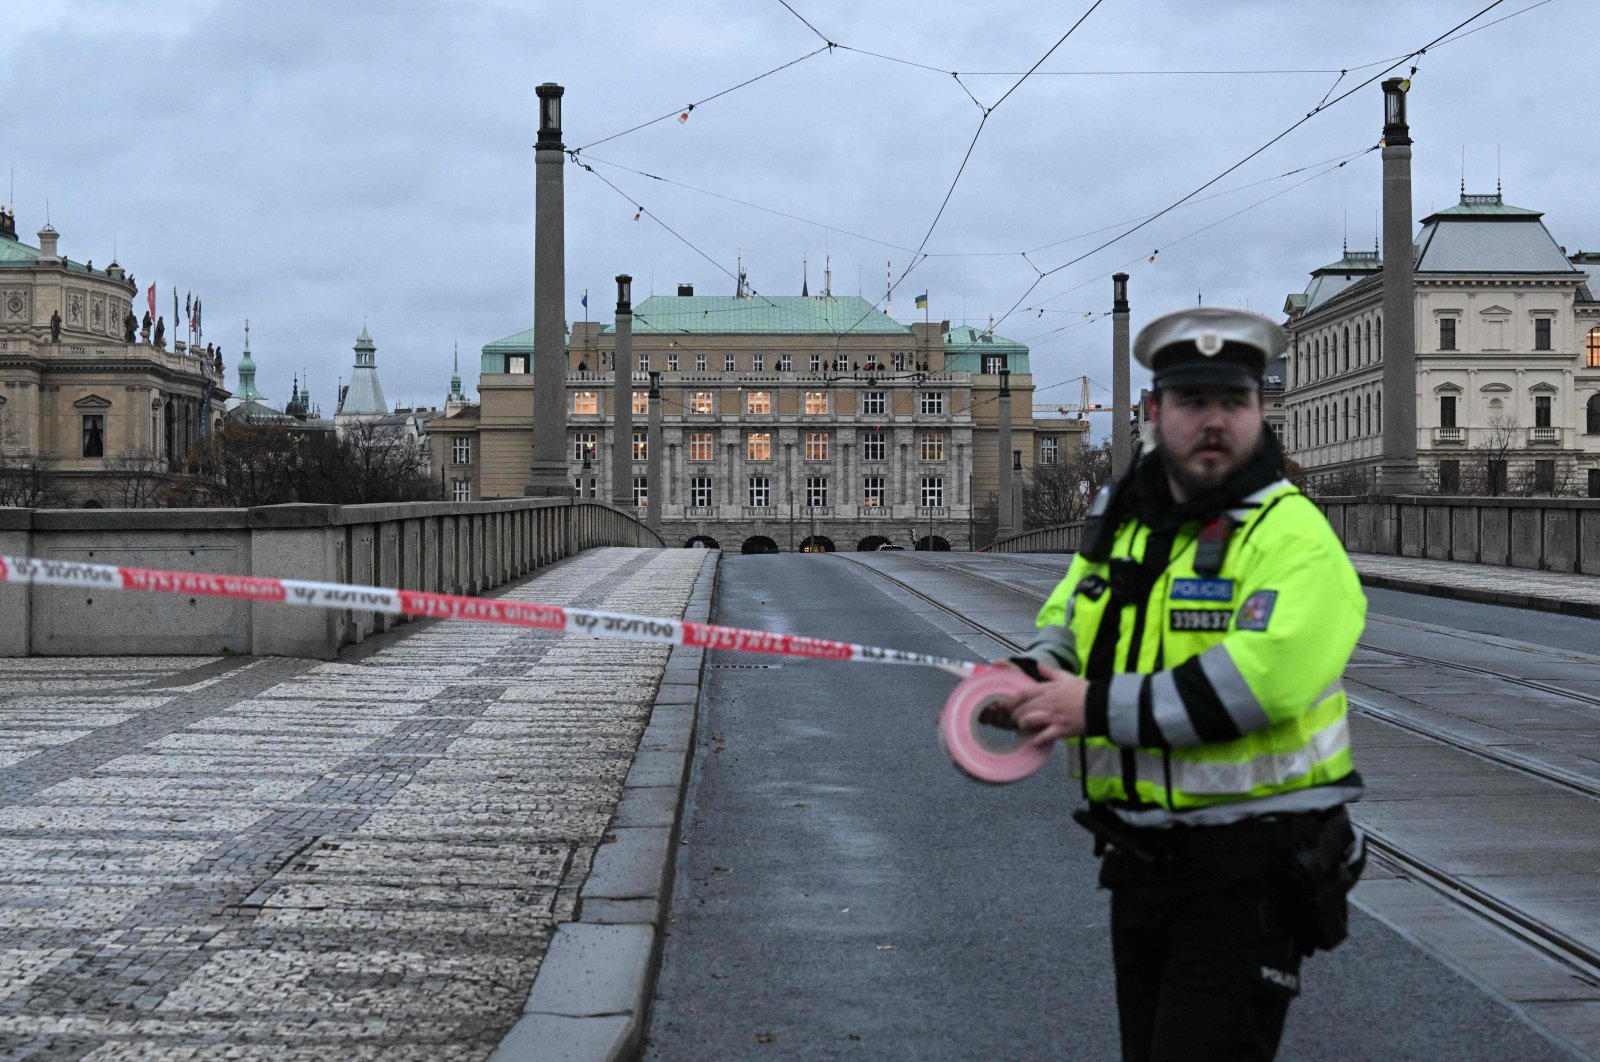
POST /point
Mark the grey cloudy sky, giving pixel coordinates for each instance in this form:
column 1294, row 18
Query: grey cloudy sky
column 315, row 165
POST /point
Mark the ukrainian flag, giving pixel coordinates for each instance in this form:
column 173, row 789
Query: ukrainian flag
column 922, row 301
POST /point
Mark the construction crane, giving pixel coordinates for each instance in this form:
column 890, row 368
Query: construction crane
column 1083, row 407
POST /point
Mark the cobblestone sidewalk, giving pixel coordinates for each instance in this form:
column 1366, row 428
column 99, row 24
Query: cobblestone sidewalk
column 285, row 859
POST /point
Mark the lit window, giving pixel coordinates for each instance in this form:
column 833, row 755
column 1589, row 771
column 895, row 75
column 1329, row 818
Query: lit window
column 816, row 403
column 872, row 491
column 641, row 402
column 1592, row 348
column 727, row 363
column 817, row 491
column 993, row 363
column 461, row 450
column 461, row 490
column 760, row 492
column 931, row 402
column 874, row 402
column 641, row 491
column 932, row 492
column 1048, row 450
column 641, row 446
column 583, row 443
column 873, row 446
column 700, row 402
column 700, row 448
column 816, row 446
column 700, row 492
column 757, row 403
column 932, row 444
column 517, row 363
column 759, row 446
column 585, row 402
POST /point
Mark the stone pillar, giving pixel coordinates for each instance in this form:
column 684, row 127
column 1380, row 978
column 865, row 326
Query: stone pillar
column 622, row 399
column 1002, row 459
column 1398, row 471
column 654, row 486
column 548, row 475
column 1121, row 378
column 1016, row 487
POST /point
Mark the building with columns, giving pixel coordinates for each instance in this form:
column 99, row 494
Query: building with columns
column 84, row 397
column 787, row 422
column 1508, row 360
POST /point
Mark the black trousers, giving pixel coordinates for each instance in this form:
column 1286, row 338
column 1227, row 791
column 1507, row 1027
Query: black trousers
column 1206, row 938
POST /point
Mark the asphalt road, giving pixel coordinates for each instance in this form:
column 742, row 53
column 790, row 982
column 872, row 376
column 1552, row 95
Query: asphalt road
column 843, row 892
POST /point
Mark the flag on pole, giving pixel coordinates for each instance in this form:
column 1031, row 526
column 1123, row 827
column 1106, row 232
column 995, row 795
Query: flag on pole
column 585, row 299
column 150, row 296
column 174, row 315
column 922, row 301
column 188, row 309
column 197, row 328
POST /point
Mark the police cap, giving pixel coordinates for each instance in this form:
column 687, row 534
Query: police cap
column 1209, row 346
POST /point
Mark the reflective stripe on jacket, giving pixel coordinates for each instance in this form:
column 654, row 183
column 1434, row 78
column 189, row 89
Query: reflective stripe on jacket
column 1213, row 690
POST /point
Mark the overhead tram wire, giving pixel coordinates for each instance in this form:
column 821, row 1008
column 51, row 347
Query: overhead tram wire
column 1295, row 125
column 987, row 111
column 676, row 111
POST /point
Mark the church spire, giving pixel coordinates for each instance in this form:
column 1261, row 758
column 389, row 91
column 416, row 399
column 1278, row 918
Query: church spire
column 456, row 394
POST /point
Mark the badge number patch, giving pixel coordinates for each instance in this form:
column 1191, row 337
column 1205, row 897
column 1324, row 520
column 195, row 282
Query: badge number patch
column 1201, row 619
column 1202, row 589
column 1256, row 611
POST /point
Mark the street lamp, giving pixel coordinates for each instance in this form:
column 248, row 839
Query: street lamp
column 1395, row 129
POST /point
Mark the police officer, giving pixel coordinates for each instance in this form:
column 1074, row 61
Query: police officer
column 1192, row 658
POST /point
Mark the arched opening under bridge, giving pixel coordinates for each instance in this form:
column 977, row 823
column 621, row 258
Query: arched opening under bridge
column 934, row 543
column 871, row 542
column 817, row 544
column 758, row 544
column 701, row 542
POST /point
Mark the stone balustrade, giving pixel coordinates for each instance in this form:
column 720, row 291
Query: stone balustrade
column 455, row 548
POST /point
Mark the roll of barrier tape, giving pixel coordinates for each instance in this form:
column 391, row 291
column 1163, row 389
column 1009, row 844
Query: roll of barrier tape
column 987, row 753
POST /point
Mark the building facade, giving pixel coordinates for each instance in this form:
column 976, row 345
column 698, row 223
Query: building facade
column 91, row 398
column 1508, row 360
column 787, row 422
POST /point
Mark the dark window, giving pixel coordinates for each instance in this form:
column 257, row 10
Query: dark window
column 1497, row 476
column 1447, row 411
column 1449, row 477
column 1541, row 333
column 1544, row 476
column 1447, row 333
column 1541, row 411
column 1593, row 415
column 1594, row 482
column 94, row 435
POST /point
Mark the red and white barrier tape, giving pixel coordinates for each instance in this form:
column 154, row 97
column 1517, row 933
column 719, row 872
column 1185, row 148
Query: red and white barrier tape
column 959, row 729
column 457, row 607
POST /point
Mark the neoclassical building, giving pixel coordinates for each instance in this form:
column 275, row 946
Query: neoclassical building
column 787, row 421
column 84, row 394
column 1508, row 360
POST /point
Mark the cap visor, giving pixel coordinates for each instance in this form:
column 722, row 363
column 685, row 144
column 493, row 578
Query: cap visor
column 1208, row 374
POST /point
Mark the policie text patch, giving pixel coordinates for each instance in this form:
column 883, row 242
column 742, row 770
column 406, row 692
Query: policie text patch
column 1202, row 589
column 1200, row 619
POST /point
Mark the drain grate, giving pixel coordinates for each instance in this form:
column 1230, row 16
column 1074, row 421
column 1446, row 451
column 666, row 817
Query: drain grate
column 744, row 667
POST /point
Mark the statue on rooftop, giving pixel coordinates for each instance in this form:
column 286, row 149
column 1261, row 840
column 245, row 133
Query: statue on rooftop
column 161, row 332
column 130, row 325
column 55, row 326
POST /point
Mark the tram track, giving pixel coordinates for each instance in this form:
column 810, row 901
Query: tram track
column 1576, row 956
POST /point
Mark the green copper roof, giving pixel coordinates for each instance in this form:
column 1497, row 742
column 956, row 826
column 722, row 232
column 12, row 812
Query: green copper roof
column 15, row 251
column 965, row 346
column 521, row 343
column 762, row 315
column 1483, row 206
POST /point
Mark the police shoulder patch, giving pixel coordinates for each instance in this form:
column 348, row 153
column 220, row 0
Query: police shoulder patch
column 1256, row 612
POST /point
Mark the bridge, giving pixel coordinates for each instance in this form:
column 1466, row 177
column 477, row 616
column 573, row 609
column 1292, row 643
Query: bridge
column 454, row 840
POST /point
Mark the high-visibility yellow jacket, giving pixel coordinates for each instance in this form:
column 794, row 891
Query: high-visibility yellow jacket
column 1213, row 698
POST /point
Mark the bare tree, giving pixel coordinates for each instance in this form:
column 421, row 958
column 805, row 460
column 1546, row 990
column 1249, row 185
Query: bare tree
column 370, row 463
column 1061, row 493
column 1485, row 471
column 132, row 481
column 252, row 464
column 24, row 483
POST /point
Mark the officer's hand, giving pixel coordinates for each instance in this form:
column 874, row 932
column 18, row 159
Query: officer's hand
column 998, row 715
column 1053, row 709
